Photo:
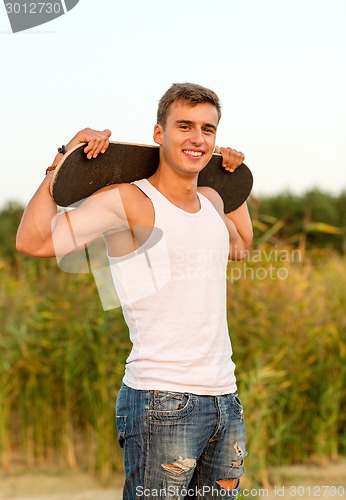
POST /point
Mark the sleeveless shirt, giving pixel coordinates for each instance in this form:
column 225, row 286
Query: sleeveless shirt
column 173, row 295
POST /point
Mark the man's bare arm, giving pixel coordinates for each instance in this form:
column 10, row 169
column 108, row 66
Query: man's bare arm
column 238, row 222
column 239, row 227
column 34, row 235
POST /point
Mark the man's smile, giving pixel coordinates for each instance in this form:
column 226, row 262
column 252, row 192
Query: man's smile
column 193, row 153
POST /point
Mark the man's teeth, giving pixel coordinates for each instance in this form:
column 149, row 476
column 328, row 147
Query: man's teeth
column 193, row 153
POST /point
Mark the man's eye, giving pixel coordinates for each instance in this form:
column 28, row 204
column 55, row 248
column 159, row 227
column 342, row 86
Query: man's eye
column 184, row 127
column 209, row 131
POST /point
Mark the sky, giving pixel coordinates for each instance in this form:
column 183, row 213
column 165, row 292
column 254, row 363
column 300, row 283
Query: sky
column 278, row 66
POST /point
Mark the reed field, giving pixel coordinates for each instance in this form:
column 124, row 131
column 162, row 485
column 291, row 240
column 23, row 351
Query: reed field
column 62, row 358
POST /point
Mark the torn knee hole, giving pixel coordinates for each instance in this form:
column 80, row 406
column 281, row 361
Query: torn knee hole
column 228, row 484
column 238, row 450
column 180, row 466
column 237, row 463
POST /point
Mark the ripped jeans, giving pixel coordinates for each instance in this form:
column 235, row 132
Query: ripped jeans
column 179, row 445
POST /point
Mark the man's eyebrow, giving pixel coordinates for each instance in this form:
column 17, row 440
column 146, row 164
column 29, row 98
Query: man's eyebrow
column 186, row 122
column 190, row 122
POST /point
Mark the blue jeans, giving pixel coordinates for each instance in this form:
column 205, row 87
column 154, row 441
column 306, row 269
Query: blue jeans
column 180, row 445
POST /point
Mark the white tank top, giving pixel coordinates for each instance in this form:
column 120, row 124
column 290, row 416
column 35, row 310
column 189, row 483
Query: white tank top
column 173, row 295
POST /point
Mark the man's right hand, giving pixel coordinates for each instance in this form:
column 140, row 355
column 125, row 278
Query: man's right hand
column 97, row 141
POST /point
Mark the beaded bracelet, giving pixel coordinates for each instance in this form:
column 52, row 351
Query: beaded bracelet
column 61, row 150
column 49, row 169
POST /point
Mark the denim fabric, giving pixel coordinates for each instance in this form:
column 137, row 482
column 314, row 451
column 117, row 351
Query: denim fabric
column 179, row 445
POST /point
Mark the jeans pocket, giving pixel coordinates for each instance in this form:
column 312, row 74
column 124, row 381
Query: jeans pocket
column 171, row 405
column 236, row 404
column 121, row 429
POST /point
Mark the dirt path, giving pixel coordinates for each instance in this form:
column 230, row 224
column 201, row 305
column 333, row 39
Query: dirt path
column 57, row 486
column 309, row 482
column 302, row 482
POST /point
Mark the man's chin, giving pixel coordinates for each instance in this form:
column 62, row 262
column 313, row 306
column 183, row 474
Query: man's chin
column 200, row 165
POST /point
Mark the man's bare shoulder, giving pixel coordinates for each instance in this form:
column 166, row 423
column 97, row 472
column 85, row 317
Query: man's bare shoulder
column 214, row 197
column 136, row 204
column 129, row 193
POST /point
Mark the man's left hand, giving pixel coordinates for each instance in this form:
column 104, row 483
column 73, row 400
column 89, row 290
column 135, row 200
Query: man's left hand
column 231, row 159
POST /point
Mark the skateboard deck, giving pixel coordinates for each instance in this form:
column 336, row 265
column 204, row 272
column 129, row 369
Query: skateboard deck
column 76, row 177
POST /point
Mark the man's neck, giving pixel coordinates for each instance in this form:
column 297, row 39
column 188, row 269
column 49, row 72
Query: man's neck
column 179, row 190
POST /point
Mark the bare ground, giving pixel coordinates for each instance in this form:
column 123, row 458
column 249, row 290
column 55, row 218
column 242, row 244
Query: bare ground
column 64, row 485
column 302, row 482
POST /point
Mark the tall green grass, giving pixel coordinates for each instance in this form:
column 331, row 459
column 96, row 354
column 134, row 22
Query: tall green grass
column 62, row 359
column 289, row 338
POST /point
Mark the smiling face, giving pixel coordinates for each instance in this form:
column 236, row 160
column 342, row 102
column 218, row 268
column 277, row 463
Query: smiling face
column 187, row 140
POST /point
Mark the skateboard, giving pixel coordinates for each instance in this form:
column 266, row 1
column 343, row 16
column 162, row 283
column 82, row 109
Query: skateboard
column 76, row 177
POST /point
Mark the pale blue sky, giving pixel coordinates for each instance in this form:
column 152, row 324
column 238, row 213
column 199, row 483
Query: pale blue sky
column 279, row 67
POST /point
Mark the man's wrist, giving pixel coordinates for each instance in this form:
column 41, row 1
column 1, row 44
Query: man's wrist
column 61, row 152
column 50, row 169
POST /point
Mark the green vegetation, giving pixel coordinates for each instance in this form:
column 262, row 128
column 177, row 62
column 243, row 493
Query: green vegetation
column 315, row 218
column 62, row 357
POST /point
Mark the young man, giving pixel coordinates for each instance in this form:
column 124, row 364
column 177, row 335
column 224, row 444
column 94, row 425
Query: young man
column 180, row 422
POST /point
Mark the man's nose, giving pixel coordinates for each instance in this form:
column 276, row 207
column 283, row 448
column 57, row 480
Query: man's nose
column 197, row 136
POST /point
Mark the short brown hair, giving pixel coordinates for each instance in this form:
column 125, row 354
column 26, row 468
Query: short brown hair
column 187, row 92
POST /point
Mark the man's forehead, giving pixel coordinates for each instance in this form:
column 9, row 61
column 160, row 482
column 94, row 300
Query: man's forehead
column 181, row 110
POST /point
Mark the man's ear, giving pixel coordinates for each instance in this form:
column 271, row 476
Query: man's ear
column 157, row 136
